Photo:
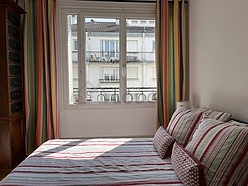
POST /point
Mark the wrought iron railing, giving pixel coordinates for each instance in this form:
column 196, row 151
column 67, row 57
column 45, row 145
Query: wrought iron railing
column 111, row 80
column 112, row 94
column 113, row 56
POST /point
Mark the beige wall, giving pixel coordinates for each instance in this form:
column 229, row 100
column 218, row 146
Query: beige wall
column 131, row 122
column 219, row 55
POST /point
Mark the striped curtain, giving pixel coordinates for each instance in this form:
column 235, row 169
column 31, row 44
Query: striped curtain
column 171, row 57
column 40, row 73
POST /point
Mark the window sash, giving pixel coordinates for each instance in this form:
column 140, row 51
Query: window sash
column 73, row 7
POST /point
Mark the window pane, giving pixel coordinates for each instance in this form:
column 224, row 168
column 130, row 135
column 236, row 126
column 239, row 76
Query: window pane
column 141, row 77
column 102, row 59
column 72, row 58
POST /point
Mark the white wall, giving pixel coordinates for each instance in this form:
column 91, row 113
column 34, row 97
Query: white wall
column 219, row 55
column 138, row 122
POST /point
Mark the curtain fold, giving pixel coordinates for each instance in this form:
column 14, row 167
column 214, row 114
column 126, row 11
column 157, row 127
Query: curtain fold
column 40, row 73
column 171, row 57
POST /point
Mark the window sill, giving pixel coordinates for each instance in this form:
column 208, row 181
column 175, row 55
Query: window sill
column 110, row 105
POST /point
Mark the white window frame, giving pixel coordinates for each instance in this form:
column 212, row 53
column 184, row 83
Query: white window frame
column 114, row 9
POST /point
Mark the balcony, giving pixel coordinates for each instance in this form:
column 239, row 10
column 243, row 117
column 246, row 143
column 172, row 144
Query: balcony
column 112, row 94
column 113, row 57
column 107, row 80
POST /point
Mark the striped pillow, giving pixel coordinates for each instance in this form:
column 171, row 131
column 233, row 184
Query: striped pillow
column 218, row 115
column 163, row 142
column 223, row 150
column 189, row 170
column 183, row 124
column 239, row 123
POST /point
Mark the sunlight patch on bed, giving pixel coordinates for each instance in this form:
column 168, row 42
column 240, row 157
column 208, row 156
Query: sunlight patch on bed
column 78, row 148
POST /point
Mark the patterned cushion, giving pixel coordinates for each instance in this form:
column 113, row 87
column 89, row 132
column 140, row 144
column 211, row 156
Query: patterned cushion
column 183, row 124
column 218, row 115
column 189, row 170
column 163, row 142
column 223, row 150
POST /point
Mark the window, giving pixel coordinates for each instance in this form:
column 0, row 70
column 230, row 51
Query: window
column 153, row 46
column 134, row 22
column 109, row 57
column 142, row 22
column 75, row 45
column 109, row 50
column 152, row 22
column 154, row 73
column 110, row 74
column 132, row 45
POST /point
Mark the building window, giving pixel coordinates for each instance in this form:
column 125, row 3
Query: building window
column 107, row 59
column 109, row 74
column 142, row 22
column 110, row 50
column 75, row 45
column 153, row 46
column 134, row 22
column 151, row 22
column 154, row 73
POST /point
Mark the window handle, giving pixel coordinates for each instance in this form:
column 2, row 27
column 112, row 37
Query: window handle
column 124, row 70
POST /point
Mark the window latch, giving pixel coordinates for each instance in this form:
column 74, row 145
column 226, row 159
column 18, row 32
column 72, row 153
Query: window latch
column 123, row 70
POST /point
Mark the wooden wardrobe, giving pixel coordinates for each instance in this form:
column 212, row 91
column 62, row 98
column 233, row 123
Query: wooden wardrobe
column 12, row 118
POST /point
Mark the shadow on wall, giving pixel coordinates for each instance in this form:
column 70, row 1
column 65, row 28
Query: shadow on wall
column 237, row 106
column 195, row 100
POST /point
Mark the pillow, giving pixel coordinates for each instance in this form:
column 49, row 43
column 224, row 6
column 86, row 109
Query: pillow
column 218, row 115
column 189, row 170
column 163, row 142
column 223, row 150
column 182, row 125
column 239, row 123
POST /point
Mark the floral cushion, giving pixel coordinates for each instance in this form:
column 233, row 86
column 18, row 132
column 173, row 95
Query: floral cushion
column 189, row 170
column 163, row 142
column 223, row 150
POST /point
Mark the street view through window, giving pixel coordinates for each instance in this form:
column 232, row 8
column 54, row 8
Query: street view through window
column 94, row 49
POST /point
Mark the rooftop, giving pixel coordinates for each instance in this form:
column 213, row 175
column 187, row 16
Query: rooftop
column 113, row 27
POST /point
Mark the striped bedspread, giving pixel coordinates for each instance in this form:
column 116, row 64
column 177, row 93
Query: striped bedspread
column 103, row 161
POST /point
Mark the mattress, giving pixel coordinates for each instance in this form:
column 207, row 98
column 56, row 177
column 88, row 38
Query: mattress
column 99, row 161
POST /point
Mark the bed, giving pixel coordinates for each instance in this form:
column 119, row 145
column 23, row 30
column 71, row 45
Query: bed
column 199, row 147
column 103, row 161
